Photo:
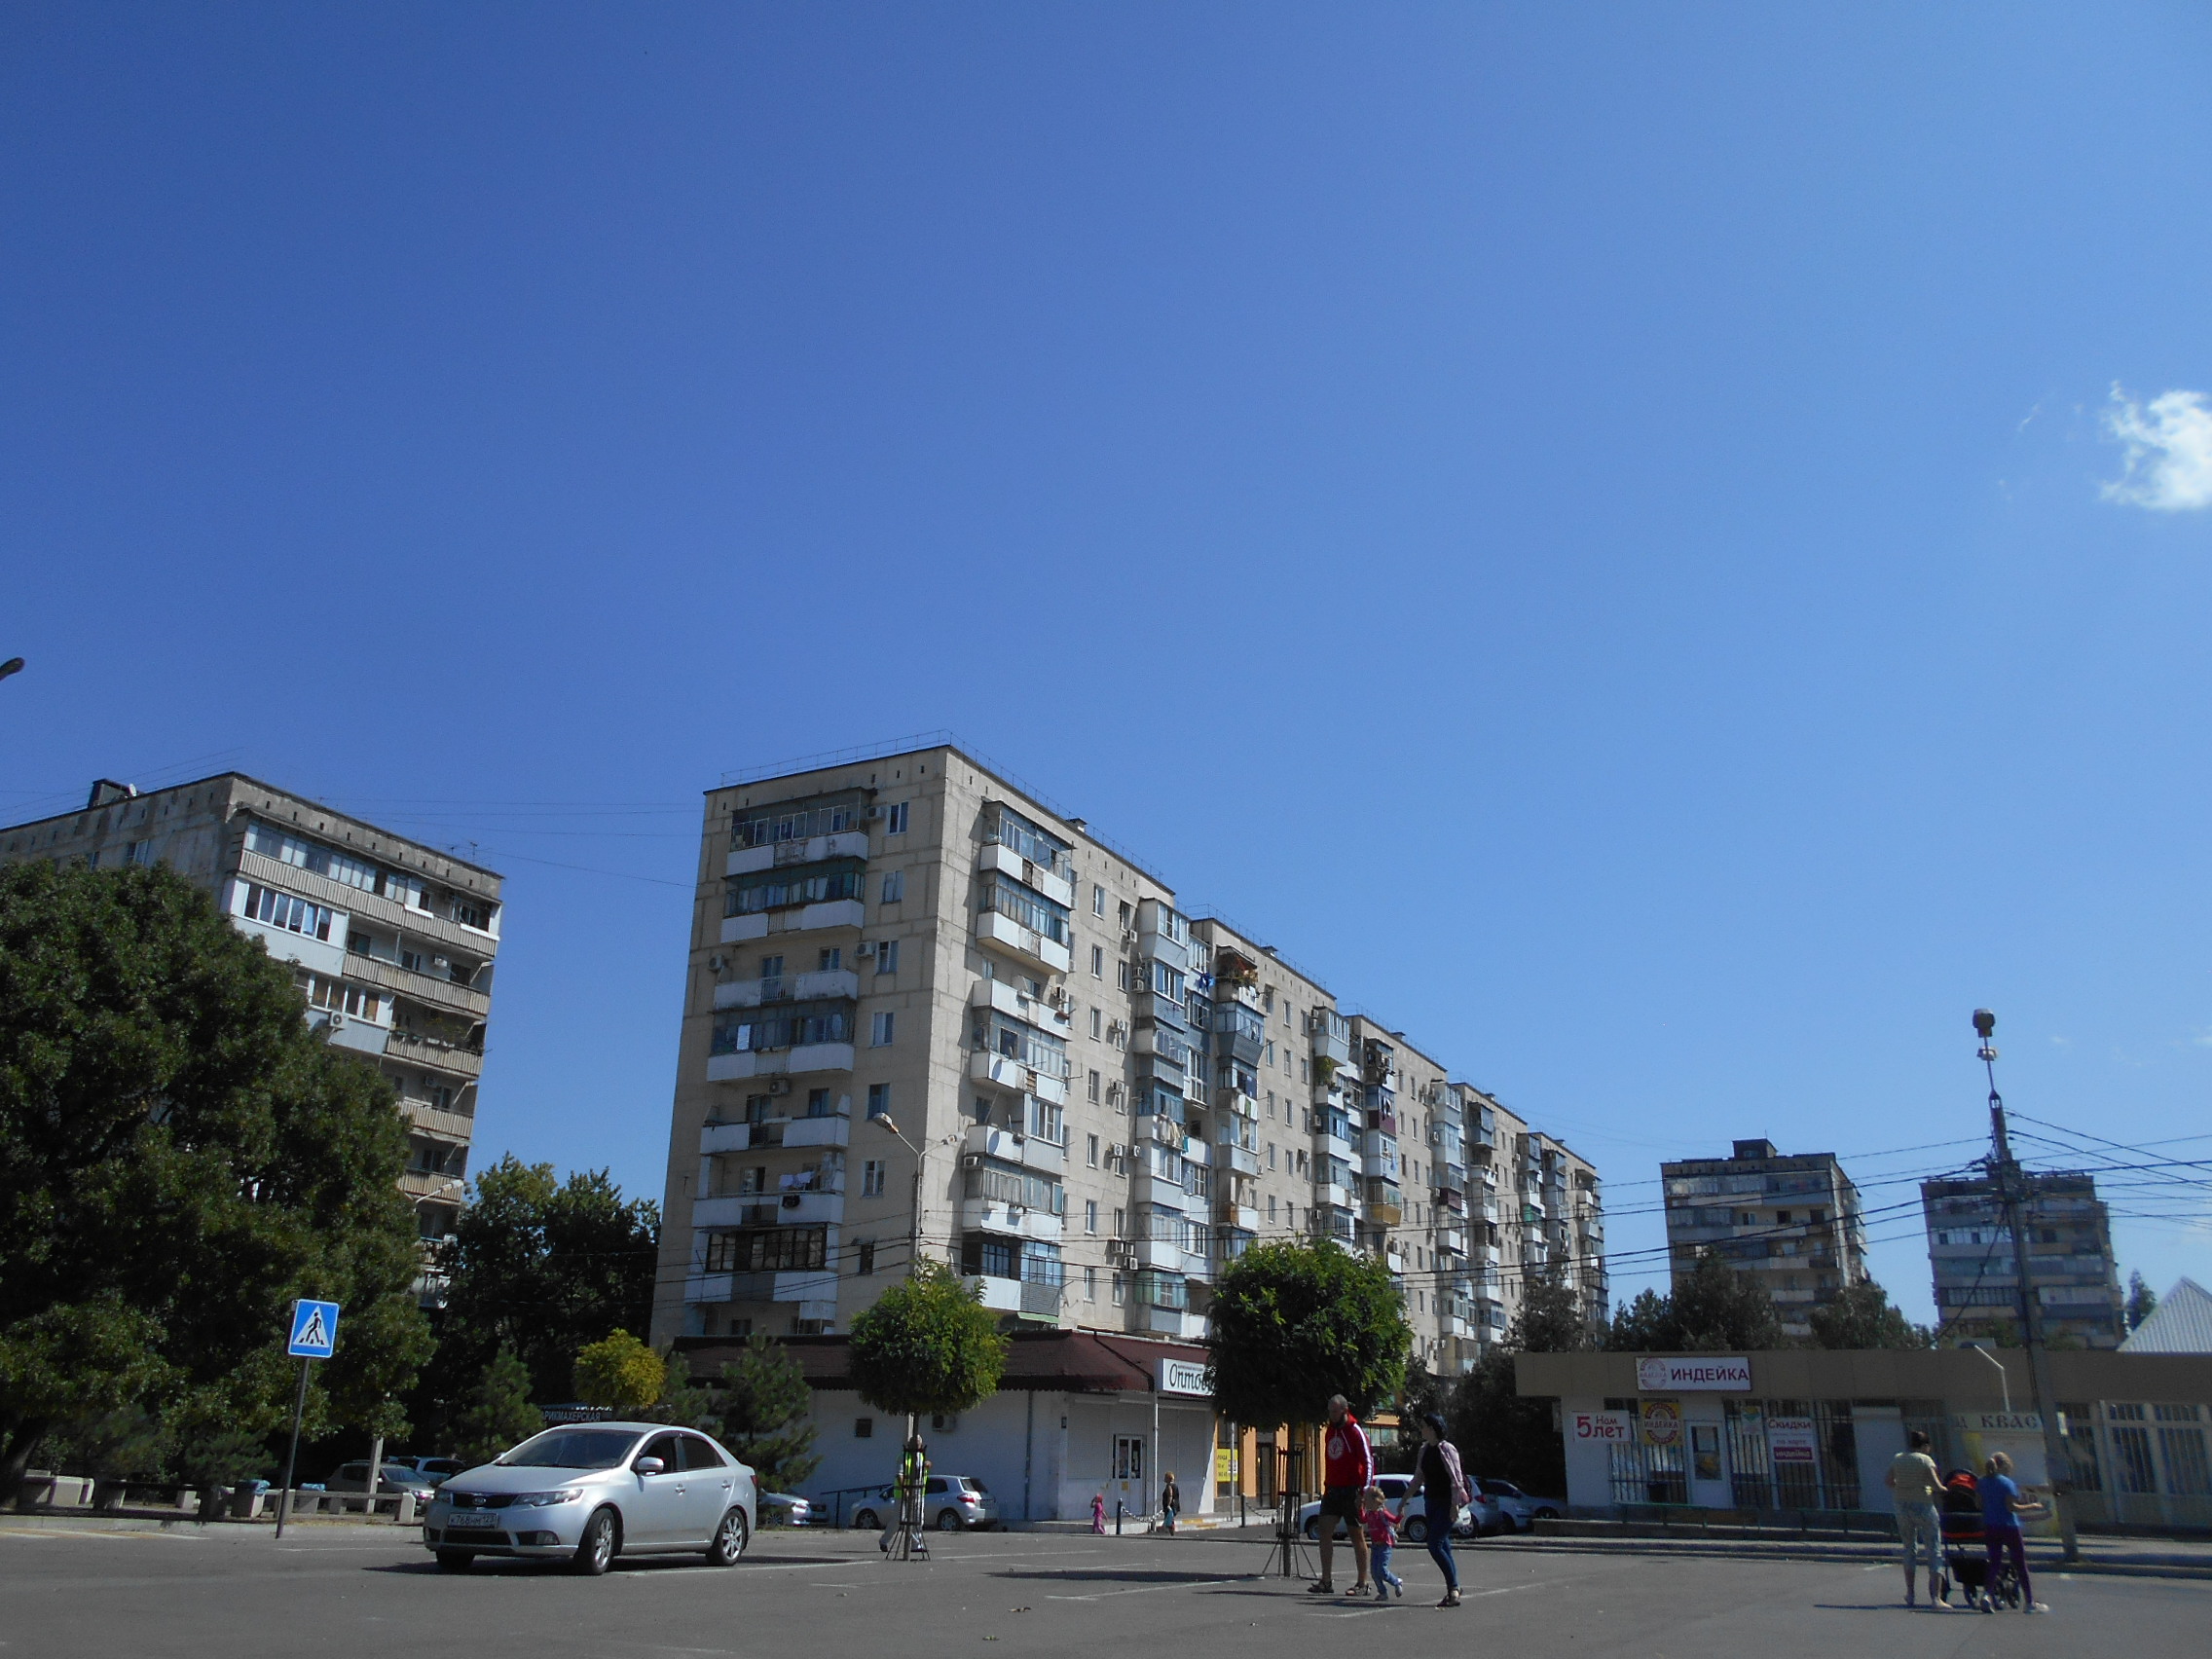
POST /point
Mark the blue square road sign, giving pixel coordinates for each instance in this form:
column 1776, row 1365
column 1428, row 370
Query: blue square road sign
column 315, row 1330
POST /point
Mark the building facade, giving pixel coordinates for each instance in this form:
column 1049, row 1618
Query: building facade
column 1792, row 1223
column 922, row 1006
column 2071, row 1268
column 391, row 942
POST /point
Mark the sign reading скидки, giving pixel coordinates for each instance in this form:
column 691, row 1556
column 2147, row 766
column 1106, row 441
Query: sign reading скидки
column 1717, row 1372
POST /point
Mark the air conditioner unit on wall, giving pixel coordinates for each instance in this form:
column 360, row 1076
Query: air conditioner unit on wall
column 779, row 1086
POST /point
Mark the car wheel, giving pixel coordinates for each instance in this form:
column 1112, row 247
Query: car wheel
column 595, row 1551
column 457, row 1561
column 948, row 1521
column 1313, row 1531
column 729, row 1540
column 864, row 1521
column 1416, row 1530
column 1547, row 1513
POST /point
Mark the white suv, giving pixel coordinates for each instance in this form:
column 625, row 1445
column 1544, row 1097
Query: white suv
column 951, row 1504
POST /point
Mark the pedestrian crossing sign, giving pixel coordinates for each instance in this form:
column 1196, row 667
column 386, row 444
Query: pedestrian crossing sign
column 315, row 1330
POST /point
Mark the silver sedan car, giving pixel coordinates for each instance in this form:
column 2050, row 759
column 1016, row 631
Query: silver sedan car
column 587, row 1492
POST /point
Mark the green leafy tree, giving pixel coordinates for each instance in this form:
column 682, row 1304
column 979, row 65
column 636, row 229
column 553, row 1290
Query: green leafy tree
column 1860, row 1317
column 765, row 1406
column 621, row 1373
column 497, row 1415
column 928, row 1344
column 681, row 1400
column 2142, row 1300
column 537, row 1267
column 180, row 1157
column 1294, row 1324
column 1713, row 1309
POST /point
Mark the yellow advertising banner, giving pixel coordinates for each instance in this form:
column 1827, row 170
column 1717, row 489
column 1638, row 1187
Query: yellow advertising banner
column 1662, row 1423
column 1223, row 1463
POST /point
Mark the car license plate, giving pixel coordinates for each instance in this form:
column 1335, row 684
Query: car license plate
column 461, row 1519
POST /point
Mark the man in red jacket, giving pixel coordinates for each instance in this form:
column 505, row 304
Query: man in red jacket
column 1347, row 1470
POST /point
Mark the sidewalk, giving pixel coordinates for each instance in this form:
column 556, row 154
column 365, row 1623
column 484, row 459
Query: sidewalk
column 2160, row 1558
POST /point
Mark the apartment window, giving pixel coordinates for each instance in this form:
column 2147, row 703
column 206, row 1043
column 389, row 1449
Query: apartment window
column 1097, row 900
column 771, row 967
column 1271, row 1207
column 753, row 1180
column 831, row 961
column 1121, row 1224
column 1268, row 1054
column 282, row 911
column 878, row 1099
column 1091, row 1156
column 864, row 1429
column 1090, row 1206
column 871, row 1178
column 895, row 820
column 894, row 887
column 879, row 1030
column 1120, row 1290
column 1121, row 973
column 864, row 1257
column 740, row 1327
column 887, row 956
column 1097, row 968
column 1097, row 1026
column 818, row 1103
column 1090, row 1284
column 1093, row 1095
column 1271, row 1154
column 1129, row 917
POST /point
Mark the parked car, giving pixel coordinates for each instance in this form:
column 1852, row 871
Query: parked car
column 794, row 1510
column 1480, row 1518
column 585, row 1492
column 399, row 1476
column 950, row 1503
column 437, row 1470
column 1520, row 1509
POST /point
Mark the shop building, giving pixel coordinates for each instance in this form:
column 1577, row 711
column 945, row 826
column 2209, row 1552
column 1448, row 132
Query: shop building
column 1803, row 1430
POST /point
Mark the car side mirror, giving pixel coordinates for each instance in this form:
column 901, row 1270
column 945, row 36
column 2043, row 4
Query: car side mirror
column 648, row 1466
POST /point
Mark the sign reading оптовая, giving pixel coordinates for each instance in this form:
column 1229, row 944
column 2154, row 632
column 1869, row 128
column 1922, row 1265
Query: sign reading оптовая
column 1717, row 1373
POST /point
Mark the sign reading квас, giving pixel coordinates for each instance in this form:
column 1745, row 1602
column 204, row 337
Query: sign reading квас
column 1712, row 1373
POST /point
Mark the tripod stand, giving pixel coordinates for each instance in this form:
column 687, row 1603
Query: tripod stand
column 911, row 1543
column 1287, row 1553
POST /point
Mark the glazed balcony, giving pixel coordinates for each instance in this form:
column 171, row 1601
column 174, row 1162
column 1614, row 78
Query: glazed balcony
column 834, row 982
column 846, row 844
column 996, row 856
column 1033, row 1152
column 997, row 932
column 1003, row 1071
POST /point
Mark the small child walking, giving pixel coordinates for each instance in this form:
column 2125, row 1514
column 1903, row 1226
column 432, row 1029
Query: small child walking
column 1381, row 1537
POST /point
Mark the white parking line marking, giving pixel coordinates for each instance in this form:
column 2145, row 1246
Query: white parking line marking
column 1150, row 1589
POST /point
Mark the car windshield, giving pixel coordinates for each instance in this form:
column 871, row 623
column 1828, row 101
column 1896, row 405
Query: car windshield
column 573, row 1449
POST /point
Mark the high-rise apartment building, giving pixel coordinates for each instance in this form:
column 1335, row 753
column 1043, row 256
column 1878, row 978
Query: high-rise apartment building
column 1794, row 1223
column 391, row 942
column 922, row 1004
column 2070, row 1261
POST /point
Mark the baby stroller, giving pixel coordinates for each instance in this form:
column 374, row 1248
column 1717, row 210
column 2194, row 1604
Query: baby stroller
column 1965, row 1555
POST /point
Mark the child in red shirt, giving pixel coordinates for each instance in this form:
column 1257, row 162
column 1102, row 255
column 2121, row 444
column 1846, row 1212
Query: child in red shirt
column 1381, row 1537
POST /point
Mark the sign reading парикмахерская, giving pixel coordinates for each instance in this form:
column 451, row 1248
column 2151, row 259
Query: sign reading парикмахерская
column 1718, row 1372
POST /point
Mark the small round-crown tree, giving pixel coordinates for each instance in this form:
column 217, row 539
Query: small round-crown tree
column 927, row 1346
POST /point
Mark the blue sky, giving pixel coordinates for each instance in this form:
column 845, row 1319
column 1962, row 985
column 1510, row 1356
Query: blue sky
column 1606, row 531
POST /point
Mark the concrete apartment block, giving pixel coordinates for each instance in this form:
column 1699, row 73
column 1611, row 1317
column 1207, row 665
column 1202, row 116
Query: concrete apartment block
column 391, row 942
column 1795, row 1223
column 910, row 974
column 2070, row 1261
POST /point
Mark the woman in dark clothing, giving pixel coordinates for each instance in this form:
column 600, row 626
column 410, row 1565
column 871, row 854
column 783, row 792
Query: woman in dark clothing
column 1444, row 1492
column 1170, row 1503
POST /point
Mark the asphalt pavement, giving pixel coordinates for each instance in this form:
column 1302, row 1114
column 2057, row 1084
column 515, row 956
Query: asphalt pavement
column 351, row 1590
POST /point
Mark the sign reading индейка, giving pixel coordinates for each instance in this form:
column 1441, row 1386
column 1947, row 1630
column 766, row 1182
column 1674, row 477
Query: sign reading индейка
column 1690, row 1373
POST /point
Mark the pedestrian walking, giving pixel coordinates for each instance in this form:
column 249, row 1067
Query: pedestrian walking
column 1171, row 1502
column 1099, row 1512
column 1381, row 1529
column 1914, row 1484
column 1444, row 1493
column 1347, row 1469
column 2001, row 1507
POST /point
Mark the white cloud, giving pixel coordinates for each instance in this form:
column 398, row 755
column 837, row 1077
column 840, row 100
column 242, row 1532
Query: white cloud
column 2170, row 451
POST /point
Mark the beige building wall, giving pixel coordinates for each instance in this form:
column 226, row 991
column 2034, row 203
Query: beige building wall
column 391, row 942
column 1110, row 1097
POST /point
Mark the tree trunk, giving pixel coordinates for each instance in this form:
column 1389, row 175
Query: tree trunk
column 22, row 1439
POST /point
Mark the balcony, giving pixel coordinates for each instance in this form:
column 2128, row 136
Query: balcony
column 1335, row 1196
column 779, row 1062
column 990, row 1215
column 436, row 1052
column 999, row 1295
column 1030, row 874
column 1245, row 1218
column 1164, row 1255
column 1033, row 1151
column 1379, row 1164
column 1004, row 1072
column 832, row 1130
column 999, row 931
column 1238, row 1160
column 1147, row 1187
column 845, row 844
column 788, row 987
column 1336, row 1147
column 807, row 918
column 1053, row 1012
